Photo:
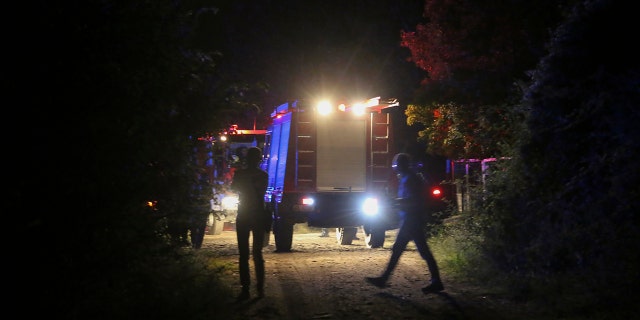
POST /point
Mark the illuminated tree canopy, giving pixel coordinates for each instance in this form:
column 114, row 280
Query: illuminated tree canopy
column 475, row 52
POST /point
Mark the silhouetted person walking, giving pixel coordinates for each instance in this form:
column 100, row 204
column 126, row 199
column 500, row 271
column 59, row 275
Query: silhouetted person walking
column 251, row 184
column 412, row 222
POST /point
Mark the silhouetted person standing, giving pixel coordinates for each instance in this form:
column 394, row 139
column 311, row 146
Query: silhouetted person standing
column 199, row 212
column 412, row 222
column 198, row 226
column 251, row 184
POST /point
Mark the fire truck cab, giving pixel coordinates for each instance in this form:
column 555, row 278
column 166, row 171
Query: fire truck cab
column 330, row 166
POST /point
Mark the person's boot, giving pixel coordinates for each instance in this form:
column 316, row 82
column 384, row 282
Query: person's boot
column 244, row 294
column 380, row 282
column 260, row 278
column 433, row 287
column 260, row 292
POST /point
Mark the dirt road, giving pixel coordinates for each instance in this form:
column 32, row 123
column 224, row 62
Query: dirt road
column 321, row 279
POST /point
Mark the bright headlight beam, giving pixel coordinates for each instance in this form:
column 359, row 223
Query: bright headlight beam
column 324, row 107
column 370, row 206
column 230, row 202
column 358, row 109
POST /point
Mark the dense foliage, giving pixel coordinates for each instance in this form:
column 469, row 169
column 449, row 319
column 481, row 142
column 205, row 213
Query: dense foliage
column 566, row 207
column 560, row 218
column 477, row 55
column 127, row 89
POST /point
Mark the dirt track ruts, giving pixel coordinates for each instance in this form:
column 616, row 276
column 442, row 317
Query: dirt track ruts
column 321, row 279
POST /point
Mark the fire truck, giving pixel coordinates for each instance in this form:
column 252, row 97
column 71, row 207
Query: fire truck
column 226, row 153
column 329, row 165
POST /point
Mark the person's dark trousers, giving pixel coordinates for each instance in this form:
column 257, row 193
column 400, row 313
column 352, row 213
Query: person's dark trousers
column 412, row 230
column 243, row 230
column 198, row 229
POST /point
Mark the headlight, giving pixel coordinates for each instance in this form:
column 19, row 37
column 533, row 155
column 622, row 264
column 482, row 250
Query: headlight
column 230, row 202
column 370, row 206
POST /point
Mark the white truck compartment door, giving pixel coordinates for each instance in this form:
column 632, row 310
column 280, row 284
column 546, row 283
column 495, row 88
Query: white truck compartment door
column 341, row 155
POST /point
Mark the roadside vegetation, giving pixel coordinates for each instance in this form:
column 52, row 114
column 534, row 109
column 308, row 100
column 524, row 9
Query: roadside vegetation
column 557, row 224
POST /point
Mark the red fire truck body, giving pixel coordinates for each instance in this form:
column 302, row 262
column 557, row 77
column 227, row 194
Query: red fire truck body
column 330, row 170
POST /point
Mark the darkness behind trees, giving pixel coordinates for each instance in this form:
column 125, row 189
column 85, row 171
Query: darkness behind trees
column 116, row 93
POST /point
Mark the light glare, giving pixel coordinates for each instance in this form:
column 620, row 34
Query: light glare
column 370, row 206
column 324, row 107
column 230, row 202
column 358, row 109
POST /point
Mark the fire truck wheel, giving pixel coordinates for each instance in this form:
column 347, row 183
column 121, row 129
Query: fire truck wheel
column 345, row 235
column 283, row 234
column 374, row 239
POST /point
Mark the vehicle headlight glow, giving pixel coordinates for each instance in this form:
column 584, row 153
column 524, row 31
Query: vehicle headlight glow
column 230, row 202
column 324, row 107
column 358, row 109
column 370, row 206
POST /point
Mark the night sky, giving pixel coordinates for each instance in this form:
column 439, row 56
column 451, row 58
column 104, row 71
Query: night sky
column 330, row 49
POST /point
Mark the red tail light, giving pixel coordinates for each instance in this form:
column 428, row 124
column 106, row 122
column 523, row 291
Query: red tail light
column 436, row 192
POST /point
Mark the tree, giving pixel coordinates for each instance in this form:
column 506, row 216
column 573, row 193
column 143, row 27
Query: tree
column 124, row 89
column 566, row 211
column 474, row 52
